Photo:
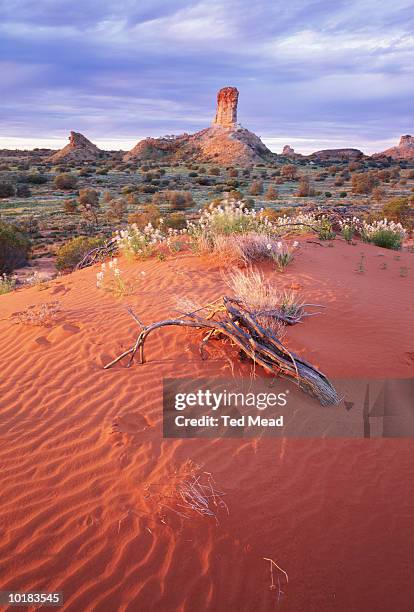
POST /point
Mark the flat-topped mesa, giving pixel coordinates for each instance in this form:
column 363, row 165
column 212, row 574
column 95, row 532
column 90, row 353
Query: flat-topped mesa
column 226, row 113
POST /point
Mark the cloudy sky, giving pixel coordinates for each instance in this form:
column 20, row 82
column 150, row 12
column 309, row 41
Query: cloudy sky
column 311, row 73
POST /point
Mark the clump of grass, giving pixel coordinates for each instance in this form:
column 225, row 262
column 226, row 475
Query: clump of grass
column 349, row 228
column 271, row 306
column 283, row 254
column 384, row 233
column 7, row 284
column 187, row 492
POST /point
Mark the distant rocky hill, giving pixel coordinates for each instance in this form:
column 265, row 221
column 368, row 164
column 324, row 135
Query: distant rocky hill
column 337, row 155
column 225, row 142
column 79, row 149
column 404, row 150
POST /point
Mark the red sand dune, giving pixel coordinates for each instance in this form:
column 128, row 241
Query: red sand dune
column 79, row 443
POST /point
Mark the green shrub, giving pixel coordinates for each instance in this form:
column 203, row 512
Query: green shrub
column 173, row 200
column 14, row 248
column 6, row 190
column 23, row 191
column 36, row 178
column 65, row 181
column 73, row 251
column 175, row 220
column 400, row 210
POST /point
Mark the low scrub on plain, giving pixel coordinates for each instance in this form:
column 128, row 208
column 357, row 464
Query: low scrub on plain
column 14, row 248
column 73, row 251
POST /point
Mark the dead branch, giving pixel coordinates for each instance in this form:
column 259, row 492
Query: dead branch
column 98, row 254
column 233, row 321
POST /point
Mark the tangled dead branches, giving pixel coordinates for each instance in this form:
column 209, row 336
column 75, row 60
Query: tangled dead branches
column 229, row 318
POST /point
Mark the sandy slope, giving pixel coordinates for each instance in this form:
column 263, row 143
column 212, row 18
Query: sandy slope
column 78, row 444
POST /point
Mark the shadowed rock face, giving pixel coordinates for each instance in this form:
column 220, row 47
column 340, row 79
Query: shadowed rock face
column 226, row 113
column 225, row 142
column 78, row 149
column 404, row 150
column 288, row 150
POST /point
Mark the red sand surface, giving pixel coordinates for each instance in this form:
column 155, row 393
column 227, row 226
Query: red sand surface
column 78, row 445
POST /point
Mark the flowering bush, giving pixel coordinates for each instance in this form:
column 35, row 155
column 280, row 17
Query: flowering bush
column 349, row 227
column 109, row 278
column 384, row 233
column 136, row 242
column 7, row 284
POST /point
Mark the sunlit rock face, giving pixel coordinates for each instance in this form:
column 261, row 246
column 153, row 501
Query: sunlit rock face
column 226, row 113
column 225, row 142
column 404, row 150
column 78, row 149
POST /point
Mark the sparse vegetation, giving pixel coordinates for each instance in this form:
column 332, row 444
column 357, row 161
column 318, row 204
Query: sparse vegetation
column 72, row 252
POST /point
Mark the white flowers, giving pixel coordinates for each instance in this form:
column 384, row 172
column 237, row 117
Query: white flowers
column 7, row 284
column 110, row 279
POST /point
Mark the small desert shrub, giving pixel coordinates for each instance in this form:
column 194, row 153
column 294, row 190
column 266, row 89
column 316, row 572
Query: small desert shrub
column 73, row 251
column 70, row 206
column 400, row 210
column 65, row 181
column 14, row 247
column 110, row 279
column 36, row 178
column 23, row 191
column 256, row 188
column 325, row 229
column 89, row 204
column 283, row 254
column 117, row 209
column 271, row 193
column 384, row 233
column 175, row 220
column 7, row 284
column 265, row 300
column 150, row 214
column 363, row 182
column 349, row 227
column 305, row 189
column 173, row 200
column 289, row 172
column 228, row 219
column 6, row 190
column 42, row 315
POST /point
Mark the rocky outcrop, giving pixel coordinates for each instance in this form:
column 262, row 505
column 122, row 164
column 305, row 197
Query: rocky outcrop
column 337, row 155
column 79, row 149
column 404, row 150
column 226, row 113
column 288, row 151
column 226, row 142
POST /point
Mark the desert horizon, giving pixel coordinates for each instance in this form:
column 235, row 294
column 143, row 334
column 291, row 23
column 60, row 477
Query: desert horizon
column 207, row 306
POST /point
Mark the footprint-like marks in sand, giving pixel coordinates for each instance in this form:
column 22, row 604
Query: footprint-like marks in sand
column 131, row 423
column 61, row 332
column 62, row 289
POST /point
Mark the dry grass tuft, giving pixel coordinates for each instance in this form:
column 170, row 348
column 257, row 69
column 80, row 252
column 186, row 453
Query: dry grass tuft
column 42, row 315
